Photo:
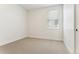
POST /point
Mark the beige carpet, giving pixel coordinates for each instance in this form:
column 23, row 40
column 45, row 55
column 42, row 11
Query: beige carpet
column 34, row 46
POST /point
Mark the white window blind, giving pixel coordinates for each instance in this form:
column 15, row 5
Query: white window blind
column 54, row 18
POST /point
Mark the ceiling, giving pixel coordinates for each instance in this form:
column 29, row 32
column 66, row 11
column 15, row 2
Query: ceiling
column 34, row 6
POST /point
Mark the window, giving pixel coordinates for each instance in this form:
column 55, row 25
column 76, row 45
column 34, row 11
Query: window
column 54, row 18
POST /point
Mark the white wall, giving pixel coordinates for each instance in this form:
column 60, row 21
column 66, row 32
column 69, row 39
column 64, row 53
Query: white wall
column 38, row 25
column 13, row 23
column 69, row 27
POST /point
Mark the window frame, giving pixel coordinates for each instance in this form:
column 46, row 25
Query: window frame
column 59, row 11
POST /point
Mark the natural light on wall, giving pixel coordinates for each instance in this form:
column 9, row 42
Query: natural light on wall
column 54, row 15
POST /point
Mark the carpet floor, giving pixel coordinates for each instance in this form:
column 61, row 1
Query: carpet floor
column 34, row 46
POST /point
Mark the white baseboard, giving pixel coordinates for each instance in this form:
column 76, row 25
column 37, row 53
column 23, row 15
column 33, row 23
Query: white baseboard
column 34, row 37
column 10, row 41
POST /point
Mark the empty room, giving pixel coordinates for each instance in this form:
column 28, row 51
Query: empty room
column 38, row 28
